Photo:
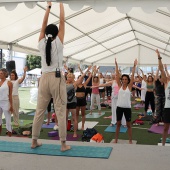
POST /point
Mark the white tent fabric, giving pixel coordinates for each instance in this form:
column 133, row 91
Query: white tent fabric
column 92, row 37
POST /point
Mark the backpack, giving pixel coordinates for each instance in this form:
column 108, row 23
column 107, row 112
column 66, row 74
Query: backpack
column 88, row 134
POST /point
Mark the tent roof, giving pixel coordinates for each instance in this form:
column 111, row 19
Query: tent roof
column 92, row 37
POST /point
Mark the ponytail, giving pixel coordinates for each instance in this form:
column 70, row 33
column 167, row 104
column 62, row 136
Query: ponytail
column 48, row 51
column 51, row 32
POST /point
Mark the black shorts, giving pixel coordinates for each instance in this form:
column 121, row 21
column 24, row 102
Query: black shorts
column 109, row 90
column 81, row 101
column 126, row 111
column 101, row 90
column 71, row 105
column 88, row 91
column 166, row 115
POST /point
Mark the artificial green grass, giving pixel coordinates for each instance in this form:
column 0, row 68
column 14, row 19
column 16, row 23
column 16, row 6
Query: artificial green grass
column 142, row 136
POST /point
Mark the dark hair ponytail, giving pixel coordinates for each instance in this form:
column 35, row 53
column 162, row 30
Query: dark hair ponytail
column 51, row 31
column 48, row 51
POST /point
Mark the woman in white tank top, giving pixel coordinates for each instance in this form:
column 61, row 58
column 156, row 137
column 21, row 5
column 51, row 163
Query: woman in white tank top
column 114, row 98
column 5, row 100
column 15, row 96
column 124, row 101
column 166, row 113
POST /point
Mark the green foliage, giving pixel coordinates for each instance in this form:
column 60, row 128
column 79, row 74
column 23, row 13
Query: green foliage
column 33, row 62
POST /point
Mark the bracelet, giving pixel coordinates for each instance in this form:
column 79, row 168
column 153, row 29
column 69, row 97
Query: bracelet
column 159, row 58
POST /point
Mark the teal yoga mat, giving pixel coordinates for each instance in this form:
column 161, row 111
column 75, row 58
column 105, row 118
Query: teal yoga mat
column 113, row 129
column 54, row 150
column 95, row 115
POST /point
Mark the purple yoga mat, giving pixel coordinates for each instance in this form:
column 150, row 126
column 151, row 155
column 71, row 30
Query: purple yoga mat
column 69, row 137
column 139, row 105
column 157, row 129
column 51, row 125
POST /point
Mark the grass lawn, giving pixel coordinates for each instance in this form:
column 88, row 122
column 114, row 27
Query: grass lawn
column 140, row 133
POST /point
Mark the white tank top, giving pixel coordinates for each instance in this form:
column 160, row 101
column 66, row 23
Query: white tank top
column 124, row 98
column 115, row 89
column 167, row 96
column 4, row 91
column 56, row 55
column 143, row 84
column 101, row 82
column 15, row 87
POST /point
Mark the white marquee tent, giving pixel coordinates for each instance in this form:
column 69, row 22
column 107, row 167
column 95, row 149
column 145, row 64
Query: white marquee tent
column 96, row 32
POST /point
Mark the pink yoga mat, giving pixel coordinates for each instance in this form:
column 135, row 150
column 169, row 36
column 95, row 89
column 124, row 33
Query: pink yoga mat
column 69, row 137
column 157, row 129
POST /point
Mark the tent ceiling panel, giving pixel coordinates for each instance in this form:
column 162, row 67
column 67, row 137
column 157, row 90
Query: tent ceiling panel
column 119, row 40
column 94, row 19
column 26, row 50
column 124, row 58
column 34, row 38
column 164, row 24
column 168, row 48
column 90, row 36
column 151, row 31
column 151, row 46
column 78, row 45
column 124, row 46
column 88, row 52
column 111, row 31
column 151, row 57
column 98, row 57
column 13, row 25
column 149, row 40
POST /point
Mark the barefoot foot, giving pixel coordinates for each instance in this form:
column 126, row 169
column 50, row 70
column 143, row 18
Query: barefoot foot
column 35, row 144
column 115, row 141
column 65, row 148
column 130, row 142
column 74, row 135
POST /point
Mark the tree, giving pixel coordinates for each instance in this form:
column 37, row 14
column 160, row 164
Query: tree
column 33, row 62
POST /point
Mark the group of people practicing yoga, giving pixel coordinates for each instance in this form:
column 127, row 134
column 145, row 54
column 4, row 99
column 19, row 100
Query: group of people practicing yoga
column 70, row 95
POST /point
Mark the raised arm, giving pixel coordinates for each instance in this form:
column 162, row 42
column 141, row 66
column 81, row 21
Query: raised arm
column 62, row 23
column 163, row 75
column 79, row 81
column 80, row 69
column 23, row 77
column 166, row 71
column 117, row 73
column 144, row 77
column 132, row 77
column 156, row 75
column 45, row 21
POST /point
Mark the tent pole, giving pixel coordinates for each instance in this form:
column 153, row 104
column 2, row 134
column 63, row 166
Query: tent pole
column 10, row 48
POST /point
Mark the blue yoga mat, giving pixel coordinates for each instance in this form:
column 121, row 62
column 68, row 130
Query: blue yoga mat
column 54, row 150
column 51, row 125
column 113, row 129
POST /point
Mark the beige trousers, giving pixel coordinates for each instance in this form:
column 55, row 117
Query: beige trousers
column 51, row 87
column 15, row 102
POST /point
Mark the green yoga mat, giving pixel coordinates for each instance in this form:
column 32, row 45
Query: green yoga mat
column 54, row 150
column 95, row 115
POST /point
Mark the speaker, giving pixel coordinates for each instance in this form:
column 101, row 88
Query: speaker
column 10, row 65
